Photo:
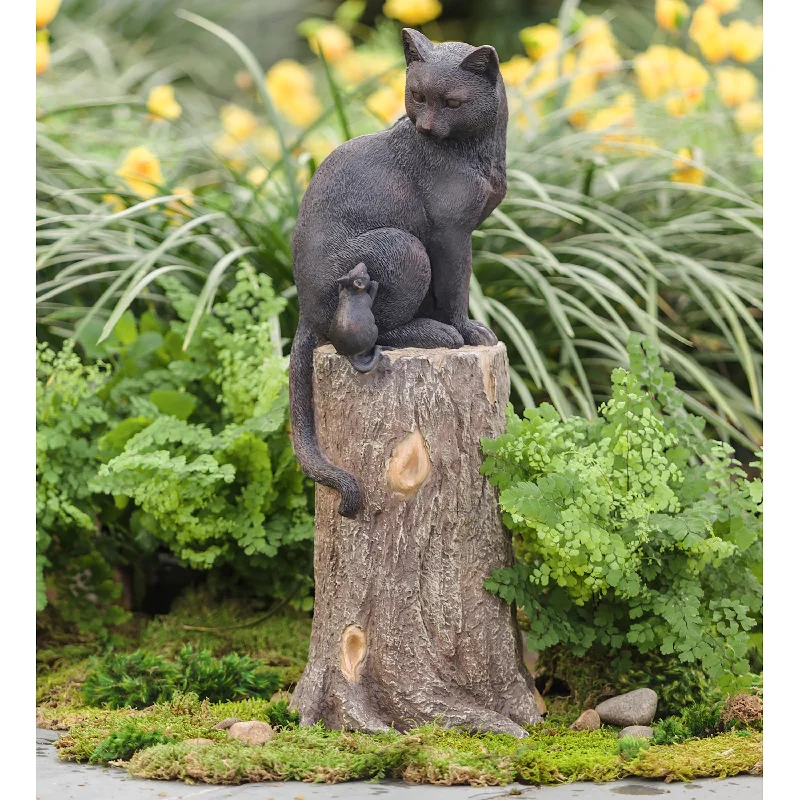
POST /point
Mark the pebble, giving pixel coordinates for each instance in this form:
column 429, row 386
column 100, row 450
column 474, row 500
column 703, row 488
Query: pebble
column 226, row 723
column 637, row 731
column 253, row 732
column 588, row 721
column 632, row 708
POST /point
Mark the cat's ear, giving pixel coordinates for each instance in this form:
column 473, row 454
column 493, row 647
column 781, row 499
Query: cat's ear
column 416, row 45
column 482, row 61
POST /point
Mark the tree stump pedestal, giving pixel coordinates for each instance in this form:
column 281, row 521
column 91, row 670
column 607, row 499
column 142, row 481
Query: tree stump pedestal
column 404, row 631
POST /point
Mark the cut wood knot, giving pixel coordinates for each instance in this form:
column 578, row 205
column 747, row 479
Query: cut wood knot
column 354, row 648
column 409, row 465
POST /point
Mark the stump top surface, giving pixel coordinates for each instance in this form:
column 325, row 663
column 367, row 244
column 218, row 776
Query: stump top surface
column 437, row 354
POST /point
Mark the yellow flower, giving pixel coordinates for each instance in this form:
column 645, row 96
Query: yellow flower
column 596, row 31
column 161, row 103
column 45, row 12
column 516, row 70
column 670, row 14
column 115, row 201
column 42, row 56
column 620, row 114
column 358, row 65
column 386, row 103
column 736, row 85
column 257, row 175
column 540, row 40
column 601, row 57
column 758, row 145
column 412, row 12
column 750, row 116
column 291, row 87
column 331, row 40
column 686, row 173
column 723, row 6
column 746, row 41
column 704, row 19
column 141, row 170
column 710, row 34
column 237, row 122
column 226, row 146
column 581, row 88
column 669, row 71
column 653, row 70
column 268, row 144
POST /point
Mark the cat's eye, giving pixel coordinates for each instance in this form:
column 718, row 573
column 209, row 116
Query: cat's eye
column 418, row 97
column 452, row 103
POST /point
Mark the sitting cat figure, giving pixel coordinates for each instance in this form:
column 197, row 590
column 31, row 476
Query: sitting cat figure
column 353, row 331
column 403, row 202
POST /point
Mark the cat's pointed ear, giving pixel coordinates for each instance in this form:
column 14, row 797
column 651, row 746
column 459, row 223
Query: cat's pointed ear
column 416, row 45
column 482, row 61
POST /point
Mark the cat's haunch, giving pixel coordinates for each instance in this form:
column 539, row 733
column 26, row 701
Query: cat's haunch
column 382, row 247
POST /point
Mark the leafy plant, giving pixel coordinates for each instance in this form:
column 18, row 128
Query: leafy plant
column 281, row 717
column 629, row 747
column 122, row 744
column 136, row 680
column 633, row 531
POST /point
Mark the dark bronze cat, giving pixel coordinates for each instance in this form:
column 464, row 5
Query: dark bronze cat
column 403, row 202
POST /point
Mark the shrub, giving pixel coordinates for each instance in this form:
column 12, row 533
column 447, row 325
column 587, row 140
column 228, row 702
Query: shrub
column 629, row 747
column 633, row 531
column 140, row 679
column 122, row 744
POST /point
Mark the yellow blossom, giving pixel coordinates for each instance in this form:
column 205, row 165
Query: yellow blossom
column 758, row 145
column 412, row 12
column 686, row 173
column 705, row 18
column 357, row 66
column 42, row 56
column 670, row 14
column 668, row 71
column 268, row 144
column 115, row 201
column 291, row 87
column 386, row 103
column 45, row 12
column 653, row 70
column 540, row 40
column 750, row 116
column 601, row 58
column 161, row 103
column 257, row 175
column 141, row 170
column 723, row 6
column 596, row 31
column 237, row 122
column 710, row 35
column 226, row 146
column 621, row 113
column 580, row 90
column 331, row 41
column 746, row 41
column 736, row 85
column 516, row 70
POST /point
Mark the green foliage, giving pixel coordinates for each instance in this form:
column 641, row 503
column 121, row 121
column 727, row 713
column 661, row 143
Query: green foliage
column 701, row 720
column 633, row 532
column 140, row 679
column 670, row 730
column 135, row 680
column 629, row 747
column 122, row 744
column 281, row 717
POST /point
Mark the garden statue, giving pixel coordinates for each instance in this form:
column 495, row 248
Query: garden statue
column 407, row 528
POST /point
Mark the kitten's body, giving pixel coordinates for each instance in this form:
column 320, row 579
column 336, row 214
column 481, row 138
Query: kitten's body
column 404, row 202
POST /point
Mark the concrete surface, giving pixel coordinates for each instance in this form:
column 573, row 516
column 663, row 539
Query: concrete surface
column 62, row 780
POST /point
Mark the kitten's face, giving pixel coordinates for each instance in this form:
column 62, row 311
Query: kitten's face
column 453, row 90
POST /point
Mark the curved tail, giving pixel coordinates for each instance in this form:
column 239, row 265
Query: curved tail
column 306, row 446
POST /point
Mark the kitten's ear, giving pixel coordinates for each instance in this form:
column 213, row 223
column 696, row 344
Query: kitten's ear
column 415, row 45
column 482, row 61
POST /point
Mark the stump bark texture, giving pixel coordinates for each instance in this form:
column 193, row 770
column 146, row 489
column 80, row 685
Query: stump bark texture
column 404, row 631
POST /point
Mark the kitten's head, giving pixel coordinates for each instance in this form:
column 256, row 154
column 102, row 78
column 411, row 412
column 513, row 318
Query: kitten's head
column 453, row 90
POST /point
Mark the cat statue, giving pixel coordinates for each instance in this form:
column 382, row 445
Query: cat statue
column 404, row 203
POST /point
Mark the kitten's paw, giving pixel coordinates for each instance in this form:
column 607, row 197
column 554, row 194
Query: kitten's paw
column 476, row 333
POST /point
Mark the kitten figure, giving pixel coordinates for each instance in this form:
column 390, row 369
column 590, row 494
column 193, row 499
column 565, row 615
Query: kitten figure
column 353, row 331
column 404, row 203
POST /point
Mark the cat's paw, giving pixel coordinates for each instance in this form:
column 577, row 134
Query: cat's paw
column 476, row 333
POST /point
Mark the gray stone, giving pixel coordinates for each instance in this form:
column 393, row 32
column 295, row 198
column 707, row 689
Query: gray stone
column 637, row 731
column 253, row 732
column 632, row 708
column 226, row 723
column 588, row 721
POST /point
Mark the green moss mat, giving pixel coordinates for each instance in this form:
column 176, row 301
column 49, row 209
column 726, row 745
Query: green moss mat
column 429, row 754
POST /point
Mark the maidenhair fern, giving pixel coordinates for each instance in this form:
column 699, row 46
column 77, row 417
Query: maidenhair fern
column 633, row 531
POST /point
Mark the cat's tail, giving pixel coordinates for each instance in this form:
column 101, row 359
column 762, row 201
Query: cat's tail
column 306, row 446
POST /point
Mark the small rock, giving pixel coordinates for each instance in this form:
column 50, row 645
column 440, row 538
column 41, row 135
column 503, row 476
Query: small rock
column 637, row 731
column 632, row 708
column 226, row 723
column 253, row 732
column 199, row 741
column 588, row 721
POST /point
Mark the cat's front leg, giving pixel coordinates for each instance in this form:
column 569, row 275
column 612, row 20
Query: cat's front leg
column 451, row 268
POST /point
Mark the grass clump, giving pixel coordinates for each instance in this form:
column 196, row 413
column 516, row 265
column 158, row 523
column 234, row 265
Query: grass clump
column 629, row 747
column 122, row 744
column 139, row 679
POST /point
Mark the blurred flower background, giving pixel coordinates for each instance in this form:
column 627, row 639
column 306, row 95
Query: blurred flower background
column 175, row 140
